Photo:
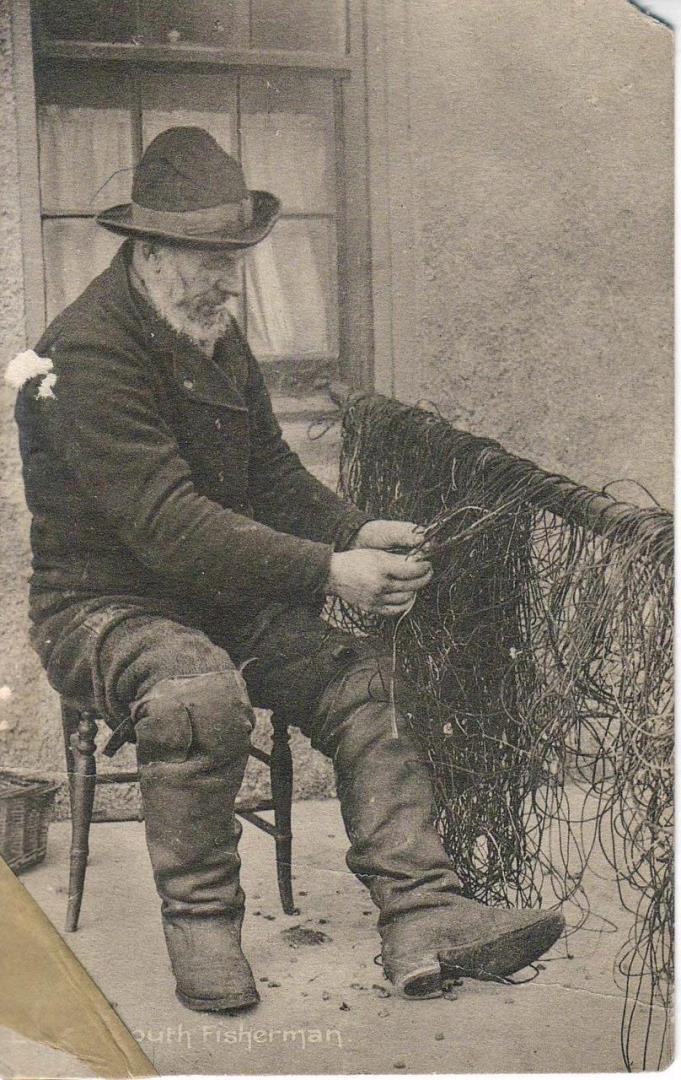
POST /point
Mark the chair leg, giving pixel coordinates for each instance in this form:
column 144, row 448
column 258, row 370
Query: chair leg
column 70, row 719
column 281, row 778
column 82, row 797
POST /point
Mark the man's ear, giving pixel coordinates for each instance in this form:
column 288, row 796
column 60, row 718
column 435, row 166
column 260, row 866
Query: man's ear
column 149, row 254
column 141, row 253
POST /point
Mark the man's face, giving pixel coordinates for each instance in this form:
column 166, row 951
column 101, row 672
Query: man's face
column 193, row 289
column 209, row 280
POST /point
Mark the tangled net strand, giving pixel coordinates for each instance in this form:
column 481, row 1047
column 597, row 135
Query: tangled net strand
column 541, row 654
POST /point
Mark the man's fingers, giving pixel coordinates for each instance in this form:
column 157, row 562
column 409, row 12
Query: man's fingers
column 406, row 568
column 413, row 585
column 396, row 598
column 392, row 609
column 404, row 534
column 398, row 584
column 388, row 535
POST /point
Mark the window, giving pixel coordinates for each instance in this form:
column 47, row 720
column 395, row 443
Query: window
column 279, row 83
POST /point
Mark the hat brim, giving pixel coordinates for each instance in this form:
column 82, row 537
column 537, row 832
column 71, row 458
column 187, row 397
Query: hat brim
column 266, row 210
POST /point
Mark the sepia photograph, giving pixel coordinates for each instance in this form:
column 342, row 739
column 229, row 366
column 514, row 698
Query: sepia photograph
column 336, row 662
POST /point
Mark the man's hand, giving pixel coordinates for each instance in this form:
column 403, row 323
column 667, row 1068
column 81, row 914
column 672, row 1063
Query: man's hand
column 387, row 535
column 377, row 581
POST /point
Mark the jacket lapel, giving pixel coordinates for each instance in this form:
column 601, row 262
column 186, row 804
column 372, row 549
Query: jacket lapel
column 219, row 381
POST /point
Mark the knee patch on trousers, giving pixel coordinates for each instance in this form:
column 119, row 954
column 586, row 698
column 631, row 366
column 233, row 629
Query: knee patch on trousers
column 206, row 715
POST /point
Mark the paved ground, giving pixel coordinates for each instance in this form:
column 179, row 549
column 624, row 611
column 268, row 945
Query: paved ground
column 325, row 1008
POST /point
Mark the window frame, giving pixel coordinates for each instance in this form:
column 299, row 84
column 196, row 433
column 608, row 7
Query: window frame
column 347, row 73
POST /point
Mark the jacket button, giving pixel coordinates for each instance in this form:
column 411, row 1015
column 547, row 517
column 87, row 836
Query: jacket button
column 188, row 384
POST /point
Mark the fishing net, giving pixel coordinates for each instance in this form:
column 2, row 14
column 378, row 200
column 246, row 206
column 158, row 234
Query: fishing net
column 542, row 657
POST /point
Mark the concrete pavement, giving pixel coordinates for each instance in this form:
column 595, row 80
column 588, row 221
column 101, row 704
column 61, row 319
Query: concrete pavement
column 325, row 1006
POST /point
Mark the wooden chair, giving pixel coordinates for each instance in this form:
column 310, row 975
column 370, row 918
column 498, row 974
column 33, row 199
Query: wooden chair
column 80, row 729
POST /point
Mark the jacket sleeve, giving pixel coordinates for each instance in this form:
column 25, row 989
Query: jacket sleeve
column 285, row 495
column 104, row 421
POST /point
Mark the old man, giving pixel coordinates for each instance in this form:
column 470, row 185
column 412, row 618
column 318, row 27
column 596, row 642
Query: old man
column 177, row 541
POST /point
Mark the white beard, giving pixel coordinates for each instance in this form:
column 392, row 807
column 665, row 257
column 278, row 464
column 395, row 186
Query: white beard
column 165, row 290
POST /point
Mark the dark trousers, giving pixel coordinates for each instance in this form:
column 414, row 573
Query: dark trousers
column 107, row 652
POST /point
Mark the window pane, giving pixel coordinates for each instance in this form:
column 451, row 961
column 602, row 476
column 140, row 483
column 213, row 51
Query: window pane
column 292, row 291
column 288, row 141
column 85, row 136
column 76, row 250
column 299, row 24
column 204, row 22
column 207, row 101
column 88, row 20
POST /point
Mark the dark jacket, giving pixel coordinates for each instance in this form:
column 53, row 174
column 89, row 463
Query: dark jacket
column 151, row 470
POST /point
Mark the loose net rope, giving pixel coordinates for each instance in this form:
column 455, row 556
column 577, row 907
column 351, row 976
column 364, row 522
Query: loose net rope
column 542, row 659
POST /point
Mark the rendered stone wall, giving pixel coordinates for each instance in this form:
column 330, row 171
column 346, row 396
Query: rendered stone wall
column 28, row 723
column 529, row 172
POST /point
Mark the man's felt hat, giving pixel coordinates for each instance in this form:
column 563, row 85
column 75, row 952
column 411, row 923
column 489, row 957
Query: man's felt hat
column 188, row 191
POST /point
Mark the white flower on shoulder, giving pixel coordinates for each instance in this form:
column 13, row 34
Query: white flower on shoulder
column 46, row 384
column 26, row 365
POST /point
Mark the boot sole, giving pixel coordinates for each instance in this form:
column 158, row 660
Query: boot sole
column 485, row 961
column 422, row 984
column 223, row 1004
column 504, row 956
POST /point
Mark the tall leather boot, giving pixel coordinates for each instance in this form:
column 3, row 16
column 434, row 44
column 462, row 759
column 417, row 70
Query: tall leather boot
column 193, row 737
column 429, row 931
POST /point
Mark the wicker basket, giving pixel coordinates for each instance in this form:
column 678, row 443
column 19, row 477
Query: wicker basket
column 25, row 809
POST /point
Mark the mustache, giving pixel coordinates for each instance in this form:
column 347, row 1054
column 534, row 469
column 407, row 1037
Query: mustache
column 214, row 299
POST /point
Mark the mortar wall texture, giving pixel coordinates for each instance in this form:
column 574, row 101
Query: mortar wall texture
column 529, row 176
column 29, row 732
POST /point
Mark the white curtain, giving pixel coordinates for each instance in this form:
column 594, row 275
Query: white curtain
column 291, row 290
column 270, row 327
column 288, row 148
column 207, row 101
column 80, row 149
column 76, row 250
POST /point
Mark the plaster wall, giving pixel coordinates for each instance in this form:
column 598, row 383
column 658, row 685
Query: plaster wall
column 28, row 720
column 523, row 255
